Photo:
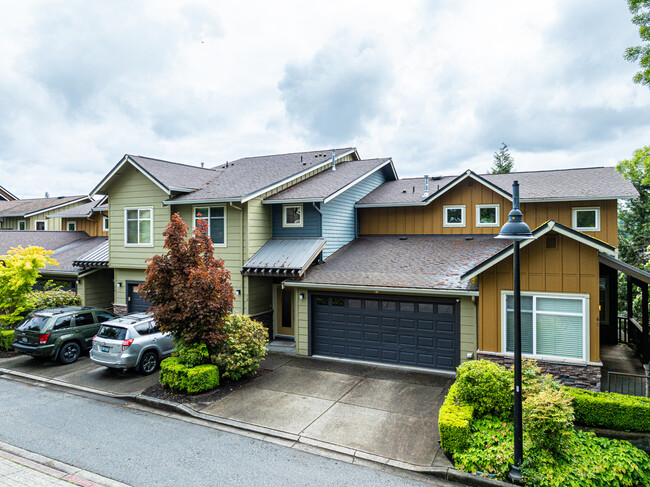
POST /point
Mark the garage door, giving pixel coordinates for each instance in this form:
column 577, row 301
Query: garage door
column 135, row 302
column 388, row 329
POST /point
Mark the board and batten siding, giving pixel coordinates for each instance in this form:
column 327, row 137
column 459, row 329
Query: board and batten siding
column 571, row 268
column 96, row 289
column 134, row 190
column 311, row 226
column 339, row 214
column 93, row 226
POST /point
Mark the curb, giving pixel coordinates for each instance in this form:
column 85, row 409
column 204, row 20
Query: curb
column 290, row 440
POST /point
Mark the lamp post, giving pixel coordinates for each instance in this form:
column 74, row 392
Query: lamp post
column 516, row 230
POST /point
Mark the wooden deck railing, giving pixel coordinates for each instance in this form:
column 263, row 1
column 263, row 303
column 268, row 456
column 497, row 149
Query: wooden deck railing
column 630, row 332
column 630, row 384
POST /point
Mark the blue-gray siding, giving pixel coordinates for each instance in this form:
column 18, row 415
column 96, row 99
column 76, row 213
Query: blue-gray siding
column 339, row 214
column 311, row 224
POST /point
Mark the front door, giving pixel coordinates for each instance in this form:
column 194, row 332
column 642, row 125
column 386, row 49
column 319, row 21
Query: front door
column 135, row 302
column 284, row 314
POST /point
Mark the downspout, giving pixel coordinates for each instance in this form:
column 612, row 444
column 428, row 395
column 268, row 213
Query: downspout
column 241, row 254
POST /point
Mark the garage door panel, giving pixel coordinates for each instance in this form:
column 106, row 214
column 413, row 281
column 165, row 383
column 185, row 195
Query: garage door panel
column 385, row 330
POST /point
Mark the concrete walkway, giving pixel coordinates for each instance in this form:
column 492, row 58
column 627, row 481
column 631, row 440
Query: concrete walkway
column 383, row 415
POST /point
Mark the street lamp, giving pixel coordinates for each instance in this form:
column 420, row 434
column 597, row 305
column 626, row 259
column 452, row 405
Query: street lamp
column 516, row 230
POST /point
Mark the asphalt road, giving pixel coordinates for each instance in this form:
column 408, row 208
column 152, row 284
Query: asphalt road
column 144, row 449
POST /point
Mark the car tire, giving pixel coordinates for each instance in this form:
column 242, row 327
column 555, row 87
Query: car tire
column 148, row 363
column 69, row 353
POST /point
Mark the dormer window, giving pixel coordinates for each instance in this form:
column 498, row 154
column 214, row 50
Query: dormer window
column 453, row 216
column 292, row 215
column 586, row 219
column 487, row 215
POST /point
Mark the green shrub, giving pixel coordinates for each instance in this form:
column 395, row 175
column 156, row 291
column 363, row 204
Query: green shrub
column 191, row 380
column 587, row 460
column 547, row 417
column 490, row 448
column 611, row 410
column 6, row 339
column 52, row 298
column 243, row 349
column 487, row 387
column 192, row 355
column 454, row 423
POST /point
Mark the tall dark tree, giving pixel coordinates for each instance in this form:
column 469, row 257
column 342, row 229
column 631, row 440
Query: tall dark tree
column 503, row 161
column 189, row 289
column 640, row 10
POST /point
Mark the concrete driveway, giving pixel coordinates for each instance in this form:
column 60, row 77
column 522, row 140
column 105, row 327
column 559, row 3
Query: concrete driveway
column 383, row 412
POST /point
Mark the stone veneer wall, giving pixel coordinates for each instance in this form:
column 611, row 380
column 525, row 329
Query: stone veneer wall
column 119, row 309
column 586, row 376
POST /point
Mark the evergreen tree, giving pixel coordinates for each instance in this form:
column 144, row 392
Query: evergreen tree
column 503, row 161
column 640, row 10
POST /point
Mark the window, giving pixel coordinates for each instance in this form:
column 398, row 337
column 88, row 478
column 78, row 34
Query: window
column 142, row 328
column 63, row 323
column 22, row 225
column 551, row 325
column 215, row 217
column 103, row 316
column 40, row 225
column 487, row 215
column 84, row 319
column 139, row 227
column 453, row 216
column 586, row 219
column 105, row 224
column 71, row 226
column 292, row 215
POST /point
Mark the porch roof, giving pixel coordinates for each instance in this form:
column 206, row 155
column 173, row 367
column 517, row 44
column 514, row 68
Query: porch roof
column 626, row 269
column 281, row 257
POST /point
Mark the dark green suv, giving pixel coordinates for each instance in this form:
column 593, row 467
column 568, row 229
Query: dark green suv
column 59, row 333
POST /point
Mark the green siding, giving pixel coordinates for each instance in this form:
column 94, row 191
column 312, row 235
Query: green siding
column 135, row 190
column 301, row 325
column 96, row 289
column 121, row 276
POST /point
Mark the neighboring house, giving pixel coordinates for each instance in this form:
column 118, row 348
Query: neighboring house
column 91, row 217
column 234, row 198
column 5, row 195
column 427, row 285
column 32, row 214
column 83, row 262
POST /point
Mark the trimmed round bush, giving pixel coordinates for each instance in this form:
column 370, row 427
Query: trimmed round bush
column 190, row 380
column 243, row 349
column 486, row 387
column 6, row 339
column 192, row 355
column 454, row 423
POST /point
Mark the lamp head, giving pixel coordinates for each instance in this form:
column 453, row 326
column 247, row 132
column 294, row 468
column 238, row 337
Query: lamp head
column 515, row 228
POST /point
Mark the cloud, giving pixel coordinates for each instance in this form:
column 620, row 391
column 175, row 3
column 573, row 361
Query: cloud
column 341, row 88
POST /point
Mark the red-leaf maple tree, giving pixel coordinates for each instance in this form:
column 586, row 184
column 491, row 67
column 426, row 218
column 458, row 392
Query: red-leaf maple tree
column 188, row 288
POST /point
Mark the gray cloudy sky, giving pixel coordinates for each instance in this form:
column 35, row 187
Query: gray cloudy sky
column 436, row 85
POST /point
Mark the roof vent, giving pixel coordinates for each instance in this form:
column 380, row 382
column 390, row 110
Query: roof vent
column 202, row 165
column 469, row 238
column 403, row 238
column 436, row 178
column 333, row 160
column 426, row 186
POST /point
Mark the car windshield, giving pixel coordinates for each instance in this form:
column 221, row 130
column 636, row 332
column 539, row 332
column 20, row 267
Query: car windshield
column 112, row 332
column 35, row 323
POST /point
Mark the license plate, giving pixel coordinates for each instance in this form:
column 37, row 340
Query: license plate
column 25, row 339
column 105, row 349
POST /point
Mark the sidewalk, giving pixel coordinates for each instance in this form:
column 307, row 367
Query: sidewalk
column 19, row 467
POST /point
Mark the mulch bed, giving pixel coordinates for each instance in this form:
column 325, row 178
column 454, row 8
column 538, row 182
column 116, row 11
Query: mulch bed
column 8, row 353
column 225, row 387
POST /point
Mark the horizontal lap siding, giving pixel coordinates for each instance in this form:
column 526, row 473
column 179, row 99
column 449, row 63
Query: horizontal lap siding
column 339, row 214
column 311, row 223
column 121, row 276
column 96, row 289
column 258, row 231
column 53, row 224
column 302, row 321
column 468, row 328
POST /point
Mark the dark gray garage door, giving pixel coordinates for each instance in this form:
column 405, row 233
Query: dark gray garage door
column 135, row 301
column 389, row 329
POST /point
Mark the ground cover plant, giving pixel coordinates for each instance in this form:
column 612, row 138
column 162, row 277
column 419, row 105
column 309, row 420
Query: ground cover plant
column 475, row 425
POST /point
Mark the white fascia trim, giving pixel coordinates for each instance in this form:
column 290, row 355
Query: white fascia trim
column 388, row 205
column 61, row 205
column 460, row 179
column 382, row 289
column 277, row 184
column 202, row 202
column 356, row 181
column 119, row 166
column 289, row 202
column 583, row 198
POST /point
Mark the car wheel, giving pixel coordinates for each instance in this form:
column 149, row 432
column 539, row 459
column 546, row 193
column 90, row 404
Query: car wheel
column 149, row 363
column 69, row 353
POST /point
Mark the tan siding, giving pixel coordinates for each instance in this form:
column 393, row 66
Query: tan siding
column 96, row 289
column 572, row 268
column 93, row 226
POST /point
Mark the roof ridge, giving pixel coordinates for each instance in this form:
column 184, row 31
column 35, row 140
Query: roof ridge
column 547, row 170
column 53, row 198
column 289, row 153
column 171, row 162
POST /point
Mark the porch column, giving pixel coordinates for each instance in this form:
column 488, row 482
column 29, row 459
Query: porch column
column 645, row 346
column 630, row 309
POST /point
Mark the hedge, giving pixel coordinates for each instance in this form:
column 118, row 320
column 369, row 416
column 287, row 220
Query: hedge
column 6, row 339
column 190, row 380
column 611, row 410
column 454, row 423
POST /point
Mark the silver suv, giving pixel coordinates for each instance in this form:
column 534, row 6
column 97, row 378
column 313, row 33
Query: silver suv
column 131, row 341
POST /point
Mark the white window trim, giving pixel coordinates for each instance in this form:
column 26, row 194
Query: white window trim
column 225, row 223
column 44, row 222
column 497, row 207
column 574, row 221
column 284, row 216
column 24, row 222
column 105, row 223
column 150, row 208
column 585, row 324
column 67, row 226
column 453, row 207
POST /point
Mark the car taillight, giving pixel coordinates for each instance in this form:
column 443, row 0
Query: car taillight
column 94, row 339
column 127, row 343
column 42, row 339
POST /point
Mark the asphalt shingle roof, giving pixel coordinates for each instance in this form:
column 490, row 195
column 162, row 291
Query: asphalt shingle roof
column 80, row 211
column 579, row 183
column 432, row 261
column 326, row 183
column 23, row 207
column 251, row 174
column 174, row 174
